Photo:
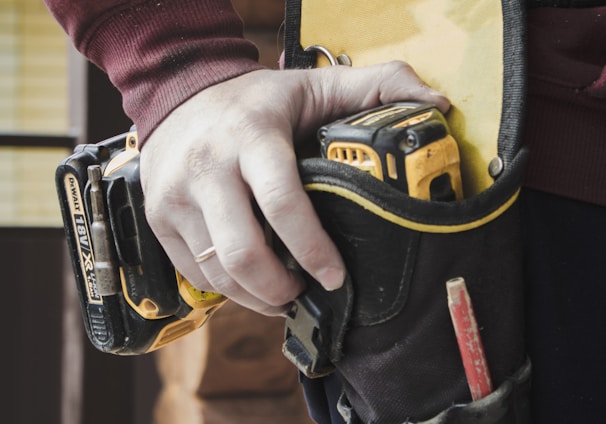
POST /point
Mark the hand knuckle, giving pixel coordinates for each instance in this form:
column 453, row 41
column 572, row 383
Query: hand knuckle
column 279, row 298
column 397, row 67
column 278, row 202
column 239, row 261
column 203, row 160
column 154, row 213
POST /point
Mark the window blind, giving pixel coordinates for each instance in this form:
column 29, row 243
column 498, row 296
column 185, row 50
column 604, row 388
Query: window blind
column 34, row 101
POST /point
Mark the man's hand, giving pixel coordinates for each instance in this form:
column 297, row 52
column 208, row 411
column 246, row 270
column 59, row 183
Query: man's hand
column 235, row 142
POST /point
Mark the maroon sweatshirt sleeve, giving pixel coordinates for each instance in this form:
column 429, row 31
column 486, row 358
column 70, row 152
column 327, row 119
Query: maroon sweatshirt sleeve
column 566, row 107
column 158, row 53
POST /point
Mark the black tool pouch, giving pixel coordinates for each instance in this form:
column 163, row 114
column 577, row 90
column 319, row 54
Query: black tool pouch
column 399, row 357
column 388, row 332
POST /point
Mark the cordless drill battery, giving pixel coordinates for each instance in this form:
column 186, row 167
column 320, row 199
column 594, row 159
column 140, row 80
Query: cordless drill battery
column 406, row 145
column 133, row 300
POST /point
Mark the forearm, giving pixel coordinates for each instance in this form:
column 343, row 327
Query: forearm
column 158, row 53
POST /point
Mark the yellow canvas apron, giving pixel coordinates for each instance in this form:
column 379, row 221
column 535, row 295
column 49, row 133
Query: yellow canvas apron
column 469, row 50
column 387, row 332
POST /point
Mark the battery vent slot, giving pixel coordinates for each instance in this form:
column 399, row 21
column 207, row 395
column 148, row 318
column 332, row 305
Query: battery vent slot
column 98, row 325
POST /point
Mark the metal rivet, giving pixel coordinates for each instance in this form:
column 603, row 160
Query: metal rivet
column 343, row 59
column 495, row 167
column 411, row 140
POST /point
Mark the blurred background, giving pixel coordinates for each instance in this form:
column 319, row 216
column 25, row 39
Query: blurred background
column 230, row 371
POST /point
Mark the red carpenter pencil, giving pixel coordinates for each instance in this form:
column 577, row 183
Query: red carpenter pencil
column 468, row 339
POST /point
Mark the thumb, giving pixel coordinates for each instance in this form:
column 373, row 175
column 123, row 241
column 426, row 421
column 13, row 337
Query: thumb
column 340, row 90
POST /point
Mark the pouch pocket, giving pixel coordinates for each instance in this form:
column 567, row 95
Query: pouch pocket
column 400, row 252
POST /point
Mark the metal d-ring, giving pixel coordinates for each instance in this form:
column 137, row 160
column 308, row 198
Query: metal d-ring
column 341, row 59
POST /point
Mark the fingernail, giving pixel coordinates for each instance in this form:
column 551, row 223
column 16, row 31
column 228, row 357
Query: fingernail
column 331, row 278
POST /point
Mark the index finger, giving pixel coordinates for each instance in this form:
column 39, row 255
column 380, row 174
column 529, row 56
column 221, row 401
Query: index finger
column 277, row 188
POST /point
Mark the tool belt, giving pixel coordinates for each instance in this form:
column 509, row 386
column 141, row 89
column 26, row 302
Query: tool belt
column 391, row 339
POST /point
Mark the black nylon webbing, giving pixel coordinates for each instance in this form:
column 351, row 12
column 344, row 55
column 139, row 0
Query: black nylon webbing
column 514, row 80
column 294, row 55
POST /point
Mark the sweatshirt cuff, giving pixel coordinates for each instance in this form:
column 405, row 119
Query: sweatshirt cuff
column 159, row 54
